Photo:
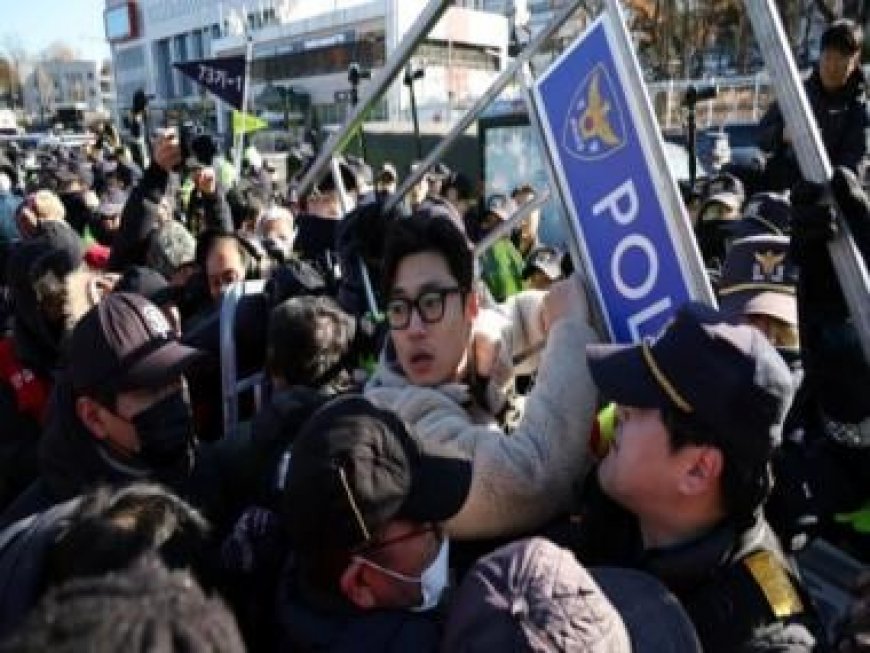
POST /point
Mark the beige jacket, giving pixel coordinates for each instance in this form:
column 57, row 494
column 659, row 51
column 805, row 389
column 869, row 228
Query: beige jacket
column 520, row 480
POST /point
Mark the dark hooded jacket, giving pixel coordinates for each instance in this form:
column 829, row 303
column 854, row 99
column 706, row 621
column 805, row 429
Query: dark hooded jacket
column 843, row 121
column 340, row 628
column 723, row 578
column 70, row 461
column 30, row 357
column 274, row 430
column 139, row 220
column 360, row 237
column 316, row 241
column 57, row 248
column 209, row 211
column 23, row 547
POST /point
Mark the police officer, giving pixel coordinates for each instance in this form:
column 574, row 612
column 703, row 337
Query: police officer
column 679, row 492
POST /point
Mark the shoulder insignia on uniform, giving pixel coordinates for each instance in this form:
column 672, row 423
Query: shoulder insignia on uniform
column 776, row 584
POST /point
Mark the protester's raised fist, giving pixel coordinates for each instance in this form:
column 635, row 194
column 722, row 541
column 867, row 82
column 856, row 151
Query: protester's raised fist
column 206, row 181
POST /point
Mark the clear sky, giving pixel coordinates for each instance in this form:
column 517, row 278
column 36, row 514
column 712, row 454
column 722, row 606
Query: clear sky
column 38, row 23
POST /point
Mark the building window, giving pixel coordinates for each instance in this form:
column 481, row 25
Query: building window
column 180, row 43
column 198, row 46
column 165, row 81
column 369, row 53
column 461, row 55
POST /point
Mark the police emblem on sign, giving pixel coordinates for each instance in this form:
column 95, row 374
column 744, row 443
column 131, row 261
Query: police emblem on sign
column 595, row 127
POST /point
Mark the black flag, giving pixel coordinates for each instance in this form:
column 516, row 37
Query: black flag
column 223, row 76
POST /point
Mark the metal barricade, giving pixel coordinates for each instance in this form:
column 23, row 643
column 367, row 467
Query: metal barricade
column 231, row 385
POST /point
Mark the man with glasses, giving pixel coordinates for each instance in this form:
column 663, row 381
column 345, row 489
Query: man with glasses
column 448, row 364
column 362, row 503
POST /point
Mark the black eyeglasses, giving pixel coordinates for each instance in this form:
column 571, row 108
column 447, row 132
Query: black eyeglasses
column 429, row 305
column 417, row 532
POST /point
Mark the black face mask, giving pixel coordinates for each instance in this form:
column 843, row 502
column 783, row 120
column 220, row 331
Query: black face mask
column 165, row 433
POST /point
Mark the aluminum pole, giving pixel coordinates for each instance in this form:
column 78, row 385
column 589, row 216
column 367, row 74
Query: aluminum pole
column 427, row 19
column 812, row 157
column 249, row 49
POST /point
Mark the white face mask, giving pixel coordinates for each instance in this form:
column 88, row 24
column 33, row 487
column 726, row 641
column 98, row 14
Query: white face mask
column 433, row 580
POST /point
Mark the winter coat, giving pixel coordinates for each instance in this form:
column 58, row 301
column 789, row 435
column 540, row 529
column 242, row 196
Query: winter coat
column 23, row 547
column 23, row 401
column 209, row 211
column 306, row 629
column 843, row 121
column 521, row 480
column 139, row 220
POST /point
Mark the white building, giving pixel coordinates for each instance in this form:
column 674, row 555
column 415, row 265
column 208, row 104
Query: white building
column 49, row 85
column 306, row 46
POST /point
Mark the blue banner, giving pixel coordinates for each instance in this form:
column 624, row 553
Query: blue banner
column 615, row 192
column 223, row 76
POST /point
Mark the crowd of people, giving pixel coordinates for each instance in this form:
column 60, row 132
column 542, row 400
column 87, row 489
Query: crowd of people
column 450, row 460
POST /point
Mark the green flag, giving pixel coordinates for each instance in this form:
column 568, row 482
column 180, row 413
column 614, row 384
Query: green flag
column 245, row 123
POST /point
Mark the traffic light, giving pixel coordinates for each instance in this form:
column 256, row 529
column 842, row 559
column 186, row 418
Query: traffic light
column 355, row 73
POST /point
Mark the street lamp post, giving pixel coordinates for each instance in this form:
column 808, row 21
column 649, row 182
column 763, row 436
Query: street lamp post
column 355, row 74
column 411, row 75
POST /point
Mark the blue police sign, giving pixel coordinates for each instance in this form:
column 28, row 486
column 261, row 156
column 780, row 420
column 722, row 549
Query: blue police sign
column 624, row 205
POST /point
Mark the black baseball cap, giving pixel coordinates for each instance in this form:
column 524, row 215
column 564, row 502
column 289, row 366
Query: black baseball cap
column 354, row 467
column 726, row 377
column 126, row 343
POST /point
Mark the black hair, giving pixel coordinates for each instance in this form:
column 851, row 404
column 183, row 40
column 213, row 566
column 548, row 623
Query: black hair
column 209, row 238
column 144, row 608
column 523, row 189
column 246, row 202
column 428, row 233
column 462, row 184
column 843, row 35
column 110, row 530
column 309, row 340
column 745, row 487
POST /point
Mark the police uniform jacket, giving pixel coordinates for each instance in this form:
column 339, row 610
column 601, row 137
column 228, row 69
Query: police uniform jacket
column 736, row 585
